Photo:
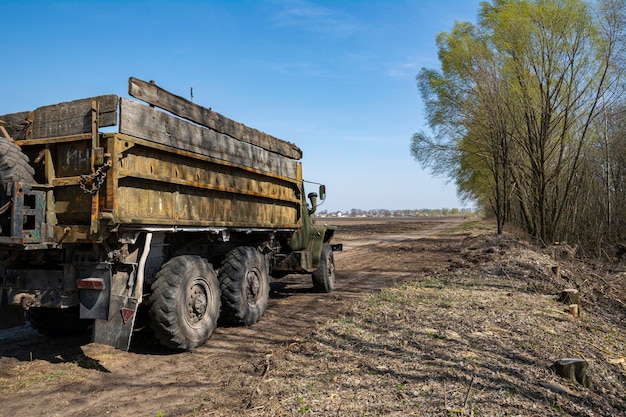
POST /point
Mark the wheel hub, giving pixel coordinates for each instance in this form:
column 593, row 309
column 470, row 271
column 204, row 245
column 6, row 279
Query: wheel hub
column 254, row 285
column 197, row 302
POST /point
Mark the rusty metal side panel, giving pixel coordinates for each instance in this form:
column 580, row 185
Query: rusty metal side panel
column 143, row 202
column 60, row 162
column 72, row 205
column 156, row 184
column 72, row 158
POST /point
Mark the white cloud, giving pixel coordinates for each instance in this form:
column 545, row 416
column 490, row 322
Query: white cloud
column 403, row 70
column 292, row 68
column 314, row 18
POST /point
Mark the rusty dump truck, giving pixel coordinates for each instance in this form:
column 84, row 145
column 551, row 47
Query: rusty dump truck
column 180, row 211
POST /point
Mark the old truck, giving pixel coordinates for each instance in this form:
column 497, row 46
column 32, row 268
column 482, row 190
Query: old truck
column 181, row 212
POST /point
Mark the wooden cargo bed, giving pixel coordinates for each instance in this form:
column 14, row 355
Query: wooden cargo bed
column 190, row 168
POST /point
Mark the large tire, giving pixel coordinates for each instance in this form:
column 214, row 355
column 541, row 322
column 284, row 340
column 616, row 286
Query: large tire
column 245, row 286
column 185, row 302
column 57, row 322
column 324, row 277
column 14, row 166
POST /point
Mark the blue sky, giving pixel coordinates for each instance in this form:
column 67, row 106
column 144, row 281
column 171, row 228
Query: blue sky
column 335, row 77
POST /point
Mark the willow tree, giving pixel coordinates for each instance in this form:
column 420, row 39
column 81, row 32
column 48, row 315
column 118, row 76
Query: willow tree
column 523, row 88
column 466, row 106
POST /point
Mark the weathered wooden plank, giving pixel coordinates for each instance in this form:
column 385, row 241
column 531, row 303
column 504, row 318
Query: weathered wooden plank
column 155, row 203
column 154, row 125
column 63, row 119
column 16, row 124
column 149, row 163
column 181, row 107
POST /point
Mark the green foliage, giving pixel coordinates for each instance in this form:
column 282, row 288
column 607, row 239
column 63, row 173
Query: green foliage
column 515, row 111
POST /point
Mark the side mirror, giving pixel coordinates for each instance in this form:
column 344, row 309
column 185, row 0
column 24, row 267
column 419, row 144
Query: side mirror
column 322, row 192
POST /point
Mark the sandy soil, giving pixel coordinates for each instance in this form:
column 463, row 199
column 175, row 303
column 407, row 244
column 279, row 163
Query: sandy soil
column 422, row 322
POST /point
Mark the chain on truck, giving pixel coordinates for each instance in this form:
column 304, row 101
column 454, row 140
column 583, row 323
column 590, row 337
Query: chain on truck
column 182, row 212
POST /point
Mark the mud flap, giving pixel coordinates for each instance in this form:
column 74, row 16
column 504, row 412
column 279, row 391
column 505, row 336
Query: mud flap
column 118, row 329
column 94, row 286
column 125, row 298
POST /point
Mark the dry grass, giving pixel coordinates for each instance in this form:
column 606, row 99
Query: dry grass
column 470, row 328
column 474, row 338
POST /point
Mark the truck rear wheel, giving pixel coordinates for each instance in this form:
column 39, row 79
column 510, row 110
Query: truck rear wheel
column 185, row 302
column 324, row 277
column 245, row 286
column 56, row 322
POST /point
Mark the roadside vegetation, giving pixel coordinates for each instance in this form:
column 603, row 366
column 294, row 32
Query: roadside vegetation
column 474, row 334
column 400, row 213
column 527, row 116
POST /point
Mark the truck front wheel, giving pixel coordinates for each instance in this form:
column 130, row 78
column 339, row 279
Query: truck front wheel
column 245, row 286
column 324, row 277
column 185, row 302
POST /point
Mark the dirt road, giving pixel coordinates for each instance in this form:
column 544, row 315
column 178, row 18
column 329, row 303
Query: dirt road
column 72, row 377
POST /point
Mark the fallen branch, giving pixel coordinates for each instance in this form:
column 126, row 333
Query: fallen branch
column 263, row 375
column 467, row 394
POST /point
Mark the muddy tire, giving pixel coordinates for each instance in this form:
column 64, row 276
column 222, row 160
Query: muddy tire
column 57, row 322
column 185, row 302
column 324, row 277
column 245, row 286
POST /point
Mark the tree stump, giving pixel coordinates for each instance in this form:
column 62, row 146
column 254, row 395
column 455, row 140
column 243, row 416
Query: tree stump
column 574, row 310
column 573, row 369
column 569, row 296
